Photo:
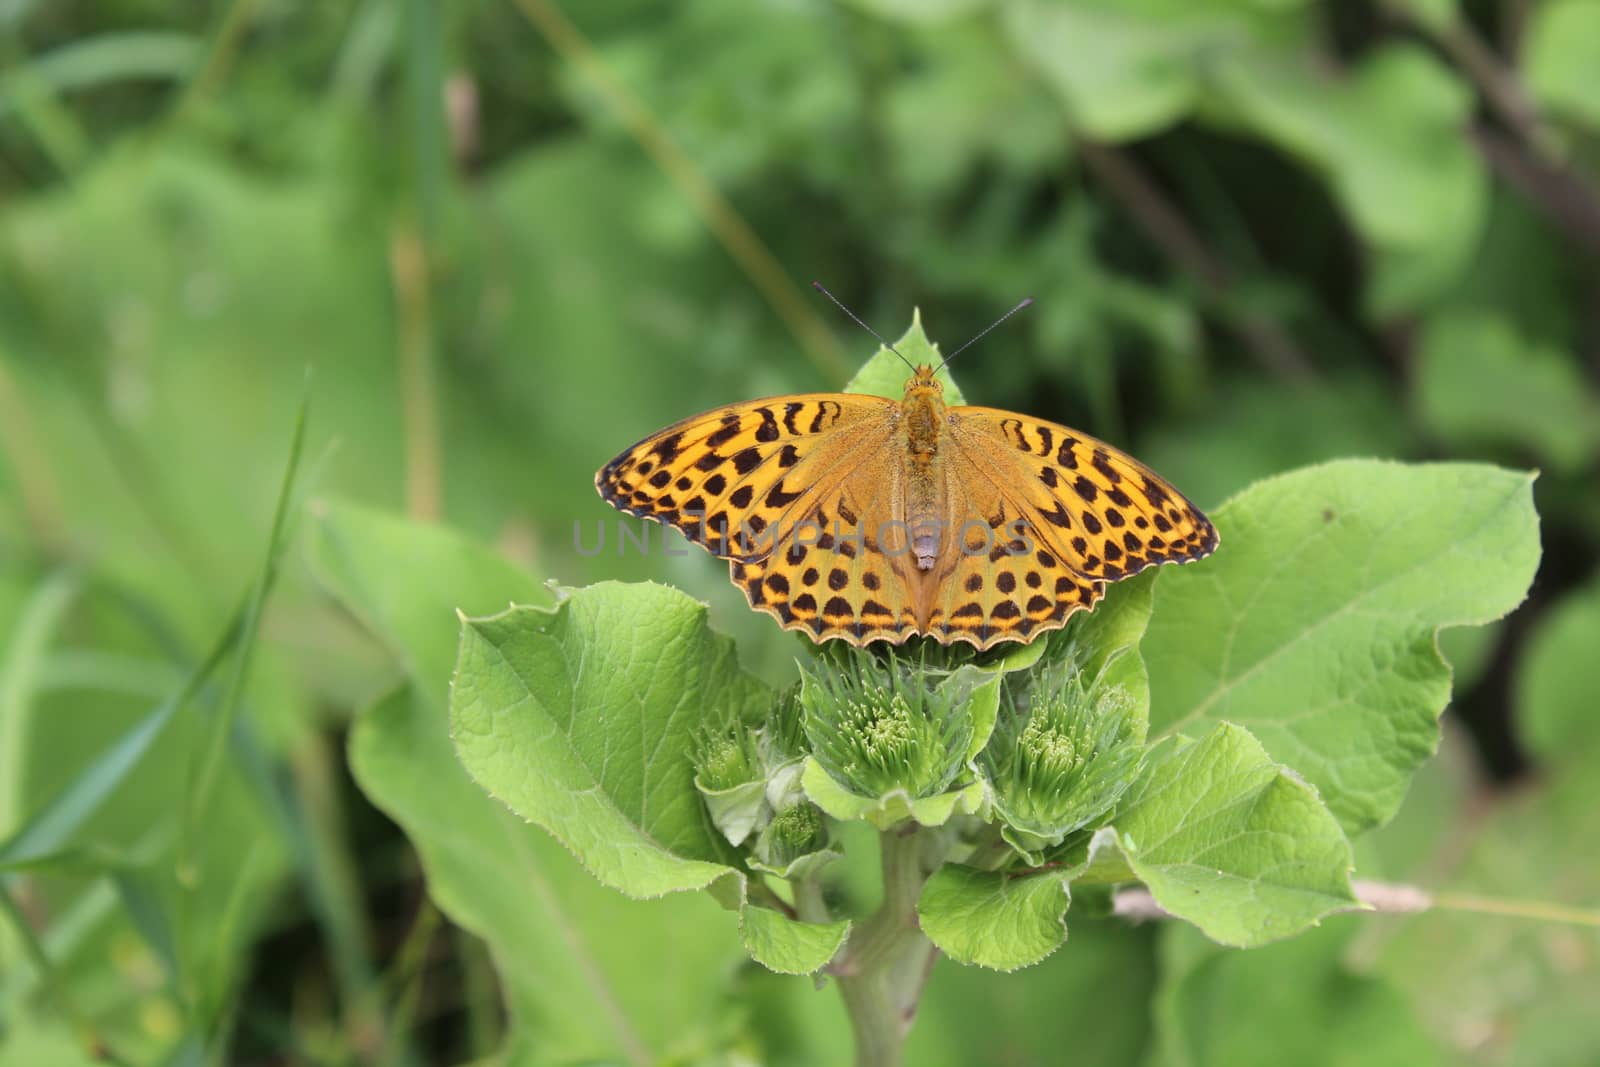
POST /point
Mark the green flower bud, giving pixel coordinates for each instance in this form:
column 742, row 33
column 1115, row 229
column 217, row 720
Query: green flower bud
column 1065, row 750
column 746, row 773
column 723, row 760
column 879, row 728
column 793, row 833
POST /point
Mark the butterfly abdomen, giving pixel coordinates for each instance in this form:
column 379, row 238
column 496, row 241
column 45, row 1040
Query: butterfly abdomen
column 923, row 416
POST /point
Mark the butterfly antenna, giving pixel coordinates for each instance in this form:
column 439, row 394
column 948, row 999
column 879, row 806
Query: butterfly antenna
column 819, row 288
column 985, row 333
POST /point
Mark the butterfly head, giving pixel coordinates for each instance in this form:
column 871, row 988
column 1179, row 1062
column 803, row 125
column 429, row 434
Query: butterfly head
column 923, row 384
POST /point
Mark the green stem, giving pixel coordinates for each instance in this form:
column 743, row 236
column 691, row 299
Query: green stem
column 809, row 905
column 886, row 963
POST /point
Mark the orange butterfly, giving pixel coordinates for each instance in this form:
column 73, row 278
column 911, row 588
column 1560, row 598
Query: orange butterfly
column 852, row 516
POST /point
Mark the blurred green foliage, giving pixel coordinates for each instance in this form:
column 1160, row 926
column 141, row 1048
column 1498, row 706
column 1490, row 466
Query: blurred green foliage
column 508, row 239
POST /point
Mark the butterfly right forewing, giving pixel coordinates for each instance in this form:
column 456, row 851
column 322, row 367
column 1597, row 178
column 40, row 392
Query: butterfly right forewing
column 1104, row 514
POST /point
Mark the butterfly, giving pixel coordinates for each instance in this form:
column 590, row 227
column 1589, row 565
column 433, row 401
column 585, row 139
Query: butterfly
column 856, row 517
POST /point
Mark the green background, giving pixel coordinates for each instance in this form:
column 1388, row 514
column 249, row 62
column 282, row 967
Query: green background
column 496, row 243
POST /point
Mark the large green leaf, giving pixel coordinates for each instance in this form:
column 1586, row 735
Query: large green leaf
column 1229, row 840
column 1294, row 1002
column 1480, row 382
column 567, row 950
column 1561, row 54
column 1389, row 138
column 1315, row 623
column 995, row 919
column 1221, row 835
column 570, row 954
column 583, row 719
column 1558, row 681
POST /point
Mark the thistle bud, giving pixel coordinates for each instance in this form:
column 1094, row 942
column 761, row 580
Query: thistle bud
column 880, row 728
column 747, row 773
column 1064, row 751
column 793, row 834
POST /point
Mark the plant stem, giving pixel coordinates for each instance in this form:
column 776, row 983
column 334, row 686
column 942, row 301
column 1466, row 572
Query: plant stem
column 809, row 904
column 886, row 963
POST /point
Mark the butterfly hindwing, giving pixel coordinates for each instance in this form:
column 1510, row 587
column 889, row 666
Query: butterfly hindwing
column 995, row 579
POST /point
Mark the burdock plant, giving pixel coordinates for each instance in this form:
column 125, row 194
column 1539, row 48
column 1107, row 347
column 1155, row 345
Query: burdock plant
column 1144, row 750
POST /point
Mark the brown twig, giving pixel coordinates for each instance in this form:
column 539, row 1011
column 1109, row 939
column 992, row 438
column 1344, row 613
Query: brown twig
column 1564, row 198
column 1531, row 158
column 1138, row 905
column 1166, row 227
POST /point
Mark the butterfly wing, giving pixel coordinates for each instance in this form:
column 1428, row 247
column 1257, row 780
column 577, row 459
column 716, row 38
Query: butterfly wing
column 1066, row 514
column 783, row 488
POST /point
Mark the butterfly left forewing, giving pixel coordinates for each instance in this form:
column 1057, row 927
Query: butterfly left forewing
column 790, row 490
column 737, row 469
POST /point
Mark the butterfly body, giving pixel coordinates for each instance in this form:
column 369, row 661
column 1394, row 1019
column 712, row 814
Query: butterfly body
column 852, row 516
column 922, row 413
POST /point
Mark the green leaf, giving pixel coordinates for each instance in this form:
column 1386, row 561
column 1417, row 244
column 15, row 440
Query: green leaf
column 1388, row 135
column 1478, row 381
column 1434, row 14
column 892, row 807
column 1122, row 73
column 1558, row 681
column 780, row 944
column 356, row 552
column 1561, row 55
column 110, row 57
column 1315, row 622
column 1293, row 1002
column 21, row 662
column 993, row 918
column 921, row 10
column 582, row 719
column 885, row 373
column 568, row 952
column 1227, row 839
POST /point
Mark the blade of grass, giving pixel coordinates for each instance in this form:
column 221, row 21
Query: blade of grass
column 406, row 979
column 93, row 61
column 408, row 265
column 48, row 829
column 60, row 136
column 50, row 978
column 430, row 159
column 225, row 45
column 22, row 448
column 208, row 767
column 212, row 1006
column 19, row 677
